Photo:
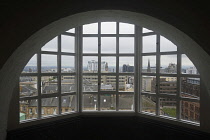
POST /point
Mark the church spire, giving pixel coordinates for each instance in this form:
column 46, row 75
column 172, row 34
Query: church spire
column 148, row 67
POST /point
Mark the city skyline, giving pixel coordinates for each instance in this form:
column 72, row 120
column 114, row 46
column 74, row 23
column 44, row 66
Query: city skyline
column 108, row 45
column 186, row 62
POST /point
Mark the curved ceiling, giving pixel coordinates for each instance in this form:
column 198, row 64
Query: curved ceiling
column 22, row 19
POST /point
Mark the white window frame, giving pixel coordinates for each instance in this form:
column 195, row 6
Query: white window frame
column 138, row 54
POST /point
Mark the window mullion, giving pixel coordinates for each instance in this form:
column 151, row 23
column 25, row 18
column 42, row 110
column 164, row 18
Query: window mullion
column 59, row 74
column 39, row 85
column 99, row 66
column 178, row 105
column 138, row 65
column 79, row 64
column 117, row 67
column 158, row 75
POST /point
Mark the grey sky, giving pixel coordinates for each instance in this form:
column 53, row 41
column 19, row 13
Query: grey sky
column 51, row 45
column 126, row 60
column 67, row 61
column 145, row 30
column 48, row 60
column 126, row 44
column 149, row 44
column 126, row 28
column 108, row 45
column 108, row 28
column 90, row 28
column 90, row 45
column 67, row 44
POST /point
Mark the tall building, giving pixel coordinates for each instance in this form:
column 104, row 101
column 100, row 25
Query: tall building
column 127, row 68
column 148, row 67
column 191, row 70
column 172, row 68
column 104, row 66
column 93, row 66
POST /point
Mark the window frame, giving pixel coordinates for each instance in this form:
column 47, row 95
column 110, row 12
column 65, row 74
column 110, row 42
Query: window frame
column 138, row 55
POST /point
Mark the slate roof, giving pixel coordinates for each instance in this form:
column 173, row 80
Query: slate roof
column 50, row 89
column 68, row 88
column 25, row 79
column 27, row 90
column 126, row 102
column 66, row 101
column 108, row 101
column 88, row 101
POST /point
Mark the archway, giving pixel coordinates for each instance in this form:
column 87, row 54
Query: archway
column 17, row 61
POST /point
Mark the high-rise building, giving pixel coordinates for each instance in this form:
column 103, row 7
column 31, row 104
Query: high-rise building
column 93, row 66
column 191, row 70
column 148, row 67
column 127, row 68
column 104, row 66
column 172, row 68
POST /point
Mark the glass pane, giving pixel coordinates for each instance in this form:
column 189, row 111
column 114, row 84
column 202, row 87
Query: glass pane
column 108, row 102
column 126, row 102
column 90, row 45
column 52, row 45
column 28, row 86
column 90, row 64
column 148, row 84
column 126, row 44
column 90, row 102
column 108, row 27
column 126, row 28
column 168, row 107
column 126, row 83
column 68, row 103
column 67, row 64
column 49, row 84
column 190, row 111
column 49, row 63
column 168, row 85
column 126, row 64
column 31, row 66
column 68, row 84
column 190, row 87
column 28, row 109
column 168, row 63
column 108, row 64
column 49, row 106
column 67, row 43
column 108, row 45
column 71, row 30
column 108, row 83
column 148, row 104
column 166, row 45
column 145, row 30
column 90, row 83
column 90, row 28
column 187, row 66
column 149, row 44
column 149, row 64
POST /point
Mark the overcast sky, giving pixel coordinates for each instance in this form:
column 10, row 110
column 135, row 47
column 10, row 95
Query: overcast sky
column 108, row 45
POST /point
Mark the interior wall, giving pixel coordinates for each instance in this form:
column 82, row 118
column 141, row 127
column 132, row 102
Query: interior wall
column 22, row 20
column 38, row 39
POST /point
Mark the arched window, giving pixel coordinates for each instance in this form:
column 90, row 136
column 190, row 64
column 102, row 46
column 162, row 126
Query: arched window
column 110, row 67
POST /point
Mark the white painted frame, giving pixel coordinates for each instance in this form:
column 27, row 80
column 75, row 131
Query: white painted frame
column 138, row 54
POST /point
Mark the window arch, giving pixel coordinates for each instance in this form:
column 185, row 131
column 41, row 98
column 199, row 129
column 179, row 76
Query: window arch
column 110, row 66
